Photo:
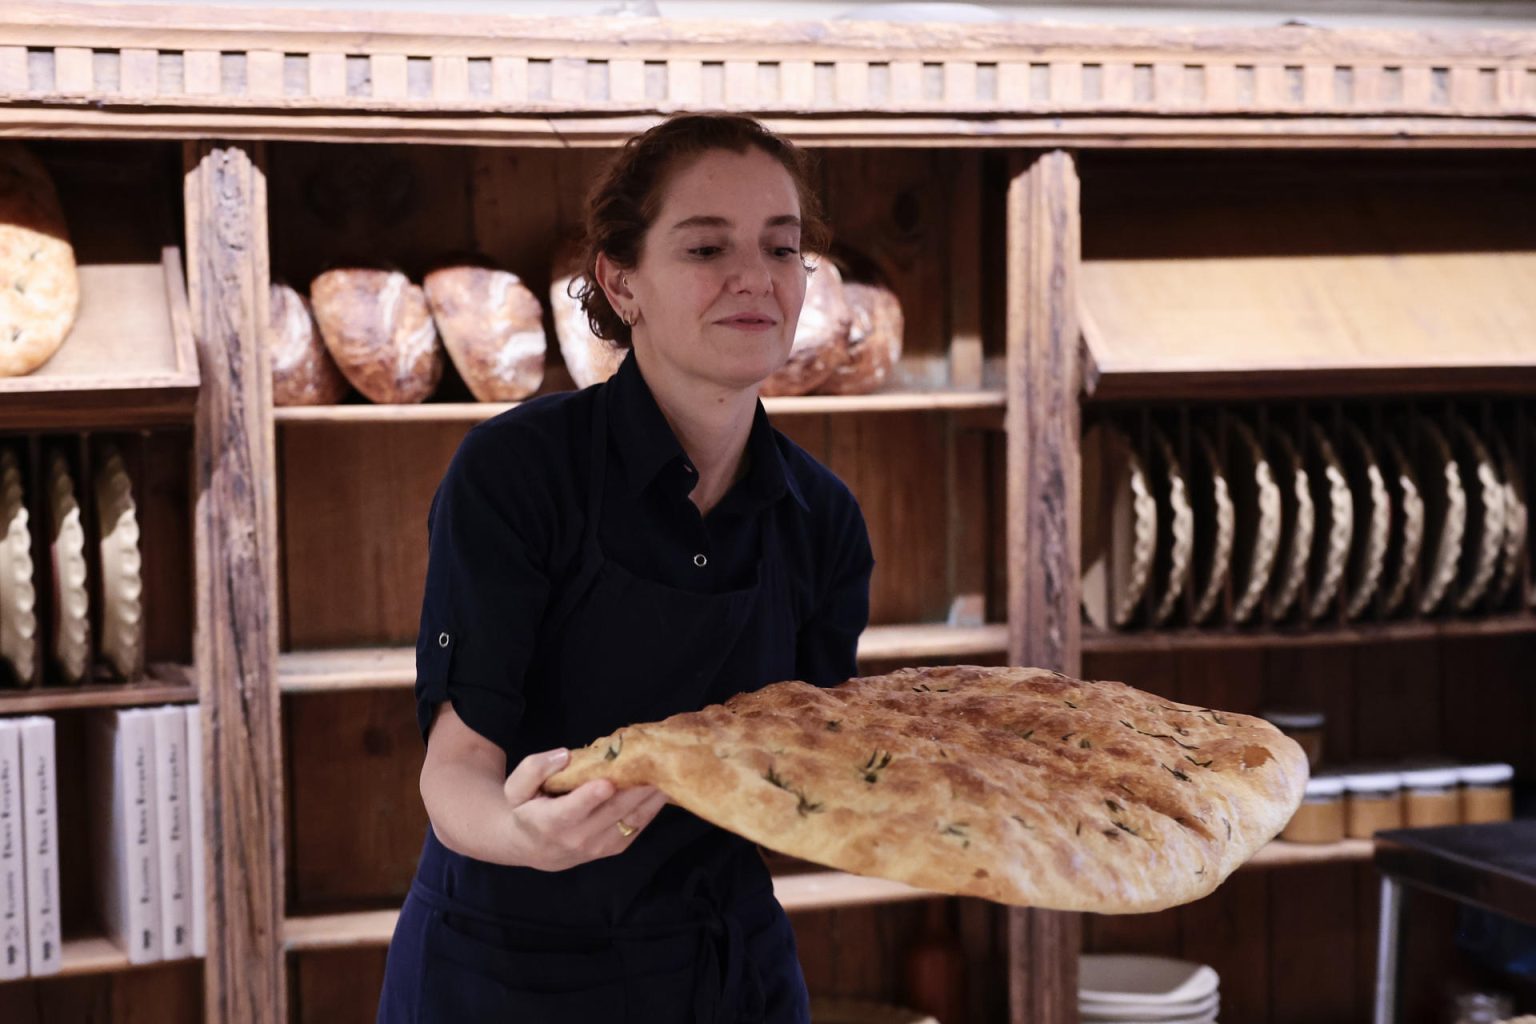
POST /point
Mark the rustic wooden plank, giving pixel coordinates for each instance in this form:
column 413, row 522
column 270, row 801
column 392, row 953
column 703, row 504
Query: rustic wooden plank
column 1168, row 86
column 959, row 84
column 852, row 84
column 626, row 80
column 1312, row 937
column 1416, row 87
column 1396, row 687
column 450, row 79
column 14, row 79
column 1044, row 249
column 337, row 986
column 387, row 76
column 685, row 83
column 906, row 83
column 204, row 76
column 236, row 542
column 1118, row 90
column 1229, row 930
column 740, row 84
column 1013, row 78
column 1318, row 86
column 264, row 74
column 327, row 74
column 965, row 275
column 1066, row 83
column 72, row 72
column 797, row 84
column 1221, row 86
column 1270, row 92
column 509, row 79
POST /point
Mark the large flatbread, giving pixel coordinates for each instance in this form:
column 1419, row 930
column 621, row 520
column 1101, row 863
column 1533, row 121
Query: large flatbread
column 1012, row 784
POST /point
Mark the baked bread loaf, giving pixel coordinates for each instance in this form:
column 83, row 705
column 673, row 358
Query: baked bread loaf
column 493, row 328
column 378, row 329
column 1013, row 784
column 874, row 340
column 303, row 372
column 122, row 577
column 821, row 336
column 71, row 600
column 590, row 359
column 18, row 593
column 39, row 288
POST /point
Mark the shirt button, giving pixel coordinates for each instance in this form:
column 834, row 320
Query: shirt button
column 442, row 639
column 700, row 561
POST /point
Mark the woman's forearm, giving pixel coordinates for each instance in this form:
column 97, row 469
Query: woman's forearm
column 468, row 807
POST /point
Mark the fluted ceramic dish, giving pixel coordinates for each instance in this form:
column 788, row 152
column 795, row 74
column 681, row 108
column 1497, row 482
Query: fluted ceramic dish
column 1215, row 525
column 71, row 601
column 1297, row 519
column 1335, row 522
column 1484, row 542
column 1175, row 529
column 1516, row 520
column 1257, row 500
column 18, row 595
column 1119, row 527
column 1445, row 509
column 1373, row 522
column 122, row 581
column 1405, row 541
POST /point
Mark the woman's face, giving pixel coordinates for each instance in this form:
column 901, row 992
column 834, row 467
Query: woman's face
column 719, row 283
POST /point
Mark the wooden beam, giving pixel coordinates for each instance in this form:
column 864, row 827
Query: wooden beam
column 236, row 549
column 1044, row 252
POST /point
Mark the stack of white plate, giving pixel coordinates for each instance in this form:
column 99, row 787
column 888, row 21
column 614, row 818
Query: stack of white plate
column 1131, row 989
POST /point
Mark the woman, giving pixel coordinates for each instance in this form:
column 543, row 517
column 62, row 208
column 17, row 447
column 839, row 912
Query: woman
column 636, row 549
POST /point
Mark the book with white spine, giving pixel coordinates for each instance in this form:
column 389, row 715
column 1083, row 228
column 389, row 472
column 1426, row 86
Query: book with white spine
column 40, row 833
column 170, row 723
column 13, row 879
column 125, row 831
column 196, row 839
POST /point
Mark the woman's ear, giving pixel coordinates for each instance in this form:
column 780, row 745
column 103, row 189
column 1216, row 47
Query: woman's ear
column 614, row 281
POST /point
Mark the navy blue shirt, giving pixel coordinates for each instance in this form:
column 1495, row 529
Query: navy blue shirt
column 506, row 527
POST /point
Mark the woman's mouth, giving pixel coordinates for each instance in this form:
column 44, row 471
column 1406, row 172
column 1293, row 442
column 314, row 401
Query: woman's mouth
column 748, row 322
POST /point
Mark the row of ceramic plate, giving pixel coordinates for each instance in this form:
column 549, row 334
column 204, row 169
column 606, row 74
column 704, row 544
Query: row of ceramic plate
column 1301, row 523
column 1129, row 988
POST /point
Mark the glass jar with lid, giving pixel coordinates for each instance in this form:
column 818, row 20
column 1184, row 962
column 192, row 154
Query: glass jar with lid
column 1486, row 793
column 1305, row 727
column 1431, row 797
column 1375, row 802
column 1320, row 818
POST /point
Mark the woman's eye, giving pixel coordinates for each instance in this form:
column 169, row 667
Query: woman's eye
column 704, row 251
column 785, row 252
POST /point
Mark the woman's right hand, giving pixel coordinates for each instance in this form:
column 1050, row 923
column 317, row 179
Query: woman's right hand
column 559, row 832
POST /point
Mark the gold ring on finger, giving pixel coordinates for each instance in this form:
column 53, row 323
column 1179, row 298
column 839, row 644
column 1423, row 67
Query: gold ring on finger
column 626, row 830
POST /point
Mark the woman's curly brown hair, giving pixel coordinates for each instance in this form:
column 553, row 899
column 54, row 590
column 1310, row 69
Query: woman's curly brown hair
column 627, row 199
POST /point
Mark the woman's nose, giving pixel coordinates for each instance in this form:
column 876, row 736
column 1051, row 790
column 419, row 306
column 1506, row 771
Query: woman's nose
column 750, row 274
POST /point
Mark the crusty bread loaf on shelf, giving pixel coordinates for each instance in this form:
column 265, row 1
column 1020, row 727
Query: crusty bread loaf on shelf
column 376, row 324
column 303, row 372
column 492, row 326
column 39, row 288
column 821, row 338
column 590, row 359
column 874, row 340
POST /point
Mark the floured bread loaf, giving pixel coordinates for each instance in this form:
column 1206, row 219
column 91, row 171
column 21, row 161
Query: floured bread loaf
column 1013, row 784
column 303, row 372
column 18, row 593
column 39, row 288
column 378, row 329
column 122, row 579
column 821, row 337
column 590, row 359
column 71, row 600
column 874, row 340
column 493, row 328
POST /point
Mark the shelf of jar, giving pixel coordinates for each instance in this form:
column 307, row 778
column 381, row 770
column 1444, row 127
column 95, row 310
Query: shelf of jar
column 1171, row 640
column 385, row 667
column 164, row 683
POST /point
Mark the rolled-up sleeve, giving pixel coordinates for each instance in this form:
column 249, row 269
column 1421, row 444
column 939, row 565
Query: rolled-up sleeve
column 486, row 592
column 828, row 644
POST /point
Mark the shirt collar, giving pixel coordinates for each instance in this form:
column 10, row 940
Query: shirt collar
column 646, row 444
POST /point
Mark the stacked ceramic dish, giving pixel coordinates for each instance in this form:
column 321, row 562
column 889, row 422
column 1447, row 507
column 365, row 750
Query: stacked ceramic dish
column 1133, row 989
column 1305, row 517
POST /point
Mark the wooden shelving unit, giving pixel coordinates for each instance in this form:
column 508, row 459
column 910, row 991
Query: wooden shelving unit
column 165, row 685
column 980, row 162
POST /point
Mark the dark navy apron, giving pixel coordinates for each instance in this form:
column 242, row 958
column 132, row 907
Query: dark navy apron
column 682, row 926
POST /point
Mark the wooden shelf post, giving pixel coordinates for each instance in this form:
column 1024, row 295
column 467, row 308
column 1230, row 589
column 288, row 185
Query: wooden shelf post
column 236, row 646
column 1044, row 248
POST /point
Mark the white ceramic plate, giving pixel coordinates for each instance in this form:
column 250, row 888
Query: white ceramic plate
column 1335, row 522
column 122, row 582
column 1140, row 980
column 1516, row 520
column 1373, row 522
column 1096, row 1012
column 1297, row 521
column 1175, row 528
column 71, row 602
column 1445, row 508
column 1405, row 541
column 1211, row 497
column 1119, row 527
column 1483, row 545
column 1257, row 500
column 18, row 595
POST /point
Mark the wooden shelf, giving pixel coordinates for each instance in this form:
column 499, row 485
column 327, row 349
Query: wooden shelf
column 817, row 890
column 129, row 360
column 92, row 954
column 1103, row 641
column 166, row 684
column 1280, row 853
column 364, row 668
column 475, row 412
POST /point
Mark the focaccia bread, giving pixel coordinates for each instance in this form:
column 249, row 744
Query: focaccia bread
column 821, row 336
column 378, row 329
column 39, row 288
column 493, row 328
column 303, row 372
column 1012, row 784
column 874, row 340
column 590, row 359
